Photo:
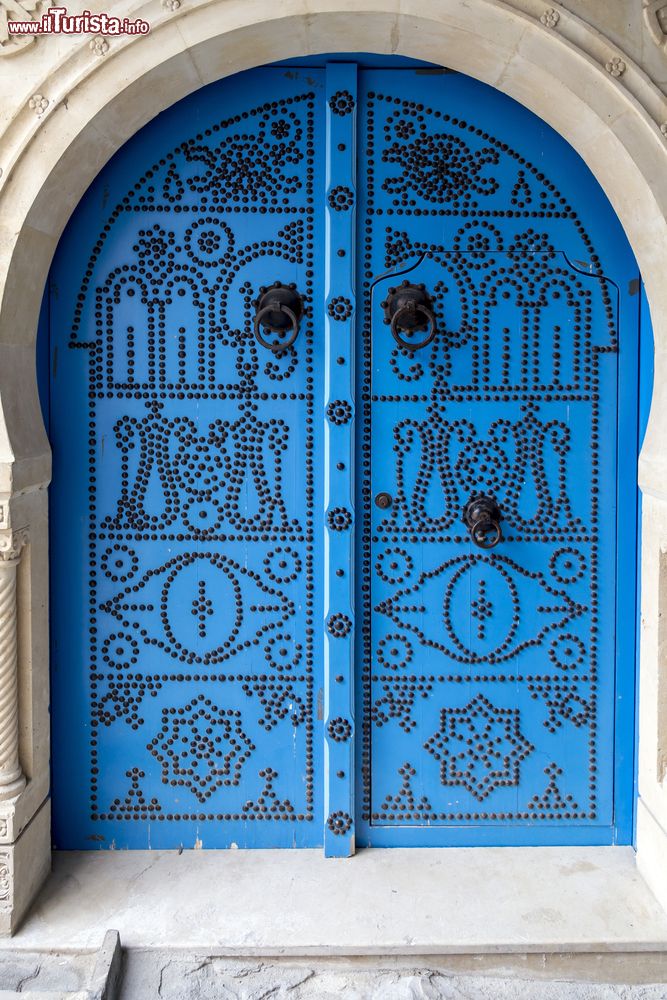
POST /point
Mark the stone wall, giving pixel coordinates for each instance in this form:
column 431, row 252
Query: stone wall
column 594, row 69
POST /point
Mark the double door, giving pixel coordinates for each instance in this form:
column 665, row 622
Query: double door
column 334, row 404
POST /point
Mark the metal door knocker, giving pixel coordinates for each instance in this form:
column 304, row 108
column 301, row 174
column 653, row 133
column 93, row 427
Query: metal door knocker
column 482, row 517
column 279, row 310
column 409, row 309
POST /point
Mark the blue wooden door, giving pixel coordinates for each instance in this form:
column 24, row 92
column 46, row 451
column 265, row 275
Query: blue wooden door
column 488, row 683
column 187, row 653
column 271, row 625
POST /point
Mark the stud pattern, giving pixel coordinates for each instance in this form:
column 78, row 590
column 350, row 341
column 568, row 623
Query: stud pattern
column 339, row 730
column 339, row 823
column 339, row 625
column 475, row 665
column 340, row 308
column 339, row 412
column 404, row 803
column 339, row 519
column 203, row 510
column 339, row 457
column 342, row 102
column 228, row 493
column 341, row 198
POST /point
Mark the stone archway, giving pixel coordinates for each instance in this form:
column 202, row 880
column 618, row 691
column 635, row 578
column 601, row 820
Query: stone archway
column 88, row 103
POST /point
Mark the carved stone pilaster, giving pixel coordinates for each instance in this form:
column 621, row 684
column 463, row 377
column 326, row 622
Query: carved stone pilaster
column 5, row 882
column 12, row 780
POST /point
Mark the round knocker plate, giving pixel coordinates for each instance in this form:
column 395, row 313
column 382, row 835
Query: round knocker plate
column 408, row 309
column 482, row 517
column 279, row 310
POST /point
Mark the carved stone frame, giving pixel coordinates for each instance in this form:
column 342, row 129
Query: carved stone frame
column 86, row 102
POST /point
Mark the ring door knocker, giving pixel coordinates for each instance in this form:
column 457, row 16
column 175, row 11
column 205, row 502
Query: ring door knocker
column 409, row 309
column 482, row 517
column 279, row 310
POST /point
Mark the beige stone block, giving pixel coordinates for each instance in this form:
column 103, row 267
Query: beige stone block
column 653, row 661
column 23, row 868
column 553, row 99
column 584, row 76
column 454, row 46
column 497, row 24
column 18, row 385
column 652, row 852
column 6, row 460
column 653, row 457
column 268, row 27
column 647, row 149
column 242, row 48
column 25, row 257
column 71, row 159
column 340, row 32
column 31, row 509
column 149, row 75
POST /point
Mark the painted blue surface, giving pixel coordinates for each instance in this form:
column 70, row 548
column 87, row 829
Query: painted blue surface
column 42, row 357
column 646, row 373
column 187, row 640
column 339, row 468
column 222, row 580
column 499, row 684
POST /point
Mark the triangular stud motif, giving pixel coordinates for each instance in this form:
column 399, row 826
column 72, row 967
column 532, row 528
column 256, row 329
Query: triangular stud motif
column 134, row 803
column 552, row 799
column 404, row 801
column 267, row 804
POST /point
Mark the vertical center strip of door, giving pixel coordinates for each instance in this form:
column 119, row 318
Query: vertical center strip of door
column 341, row 113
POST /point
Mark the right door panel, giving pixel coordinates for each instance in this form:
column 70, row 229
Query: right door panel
column 487, row 675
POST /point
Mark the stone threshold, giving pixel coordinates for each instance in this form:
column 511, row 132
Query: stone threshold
column 398, row 902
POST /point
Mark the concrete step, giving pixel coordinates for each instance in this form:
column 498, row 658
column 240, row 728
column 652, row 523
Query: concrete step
column 60, row 975
column 171, row 976
column 148, row 974
column 44, row 995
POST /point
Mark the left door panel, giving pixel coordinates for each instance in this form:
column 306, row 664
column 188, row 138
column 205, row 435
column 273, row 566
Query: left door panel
column 186, row 497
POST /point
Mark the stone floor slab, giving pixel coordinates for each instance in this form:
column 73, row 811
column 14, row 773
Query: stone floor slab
column 400, row 902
